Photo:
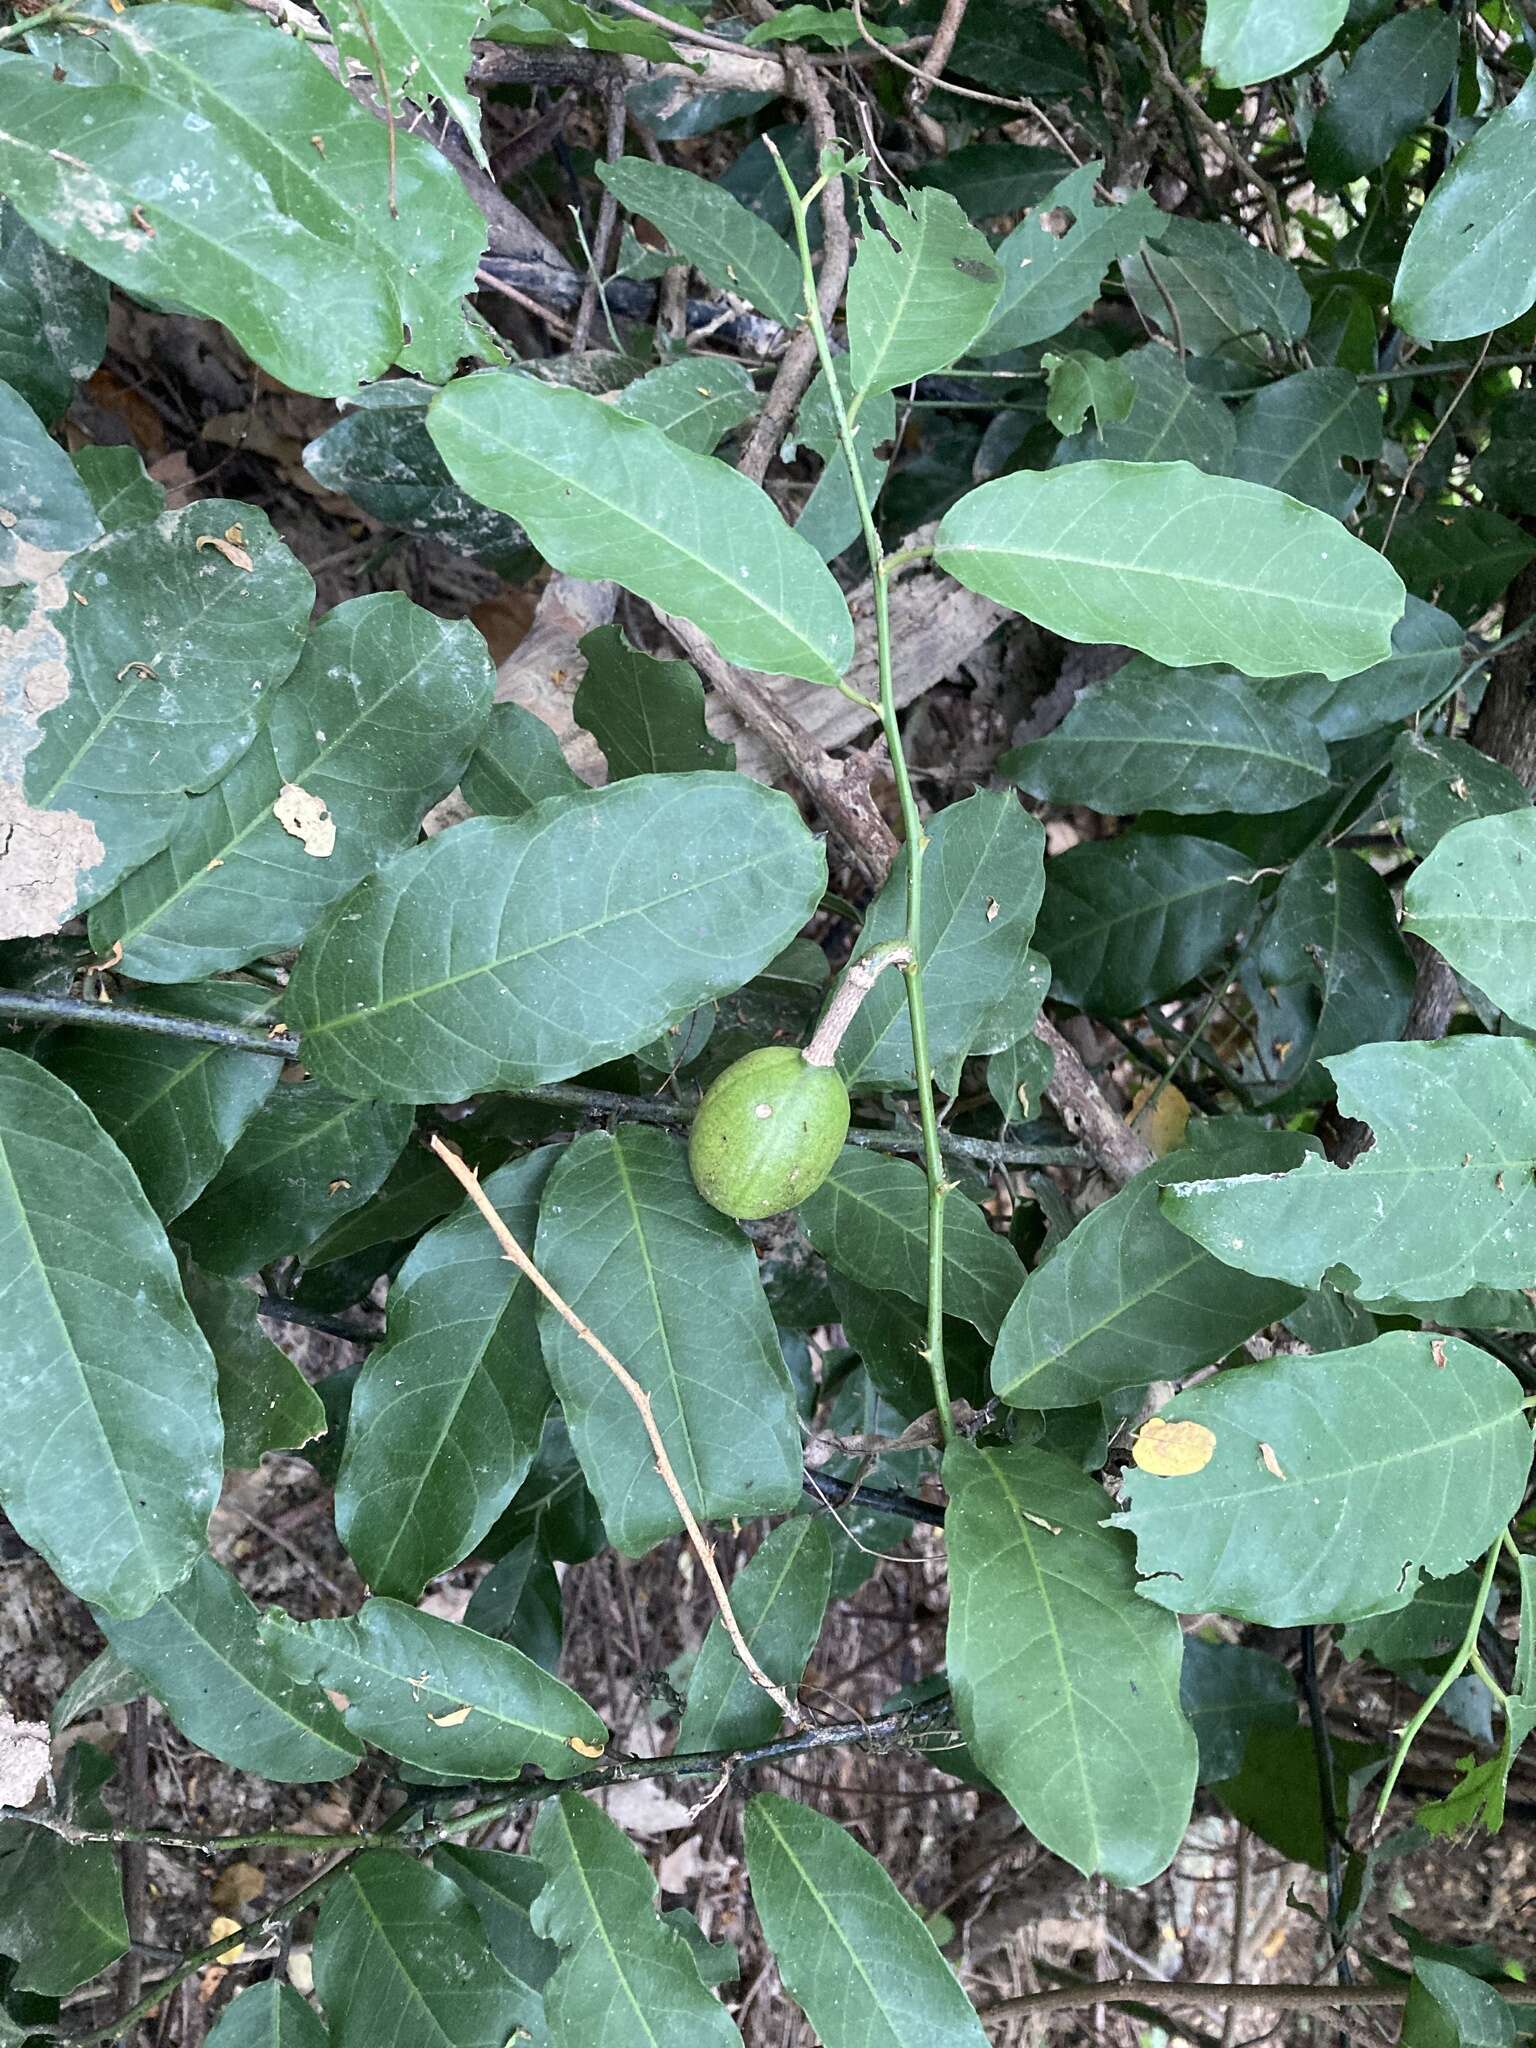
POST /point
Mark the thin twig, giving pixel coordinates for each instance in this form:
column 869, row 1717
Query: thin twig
column 469, row 1180
column 930, row 71
column 382, row 78
column 1440, row 426
column 36, row 1009
column 966, row 92
column 491, row 282
column 880, row 1500
column 1154, row 1991
column 607, row 213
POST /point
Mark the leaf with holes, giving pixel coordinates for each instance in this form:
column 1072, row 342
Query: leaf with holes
column 1048, row 279
column 919, row 293
column 1292, row 435
column 1170, row 420
column 418, row 49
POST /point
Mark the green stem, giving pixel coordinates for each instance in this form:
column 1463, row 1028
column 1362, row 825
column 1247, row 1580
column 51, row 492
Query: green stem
column 911, row 822
column 1465, row 1653
column 49, row 17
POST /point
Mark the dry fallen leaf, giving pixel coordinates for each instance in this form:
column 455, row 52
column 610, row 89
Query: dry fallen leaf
column 1163, row 1122
column 225, row 1925
column 23, row 1759
column 1437, row 1351
column 1272, row 1464
column 238, row 1885
column 305, row 818
column 1173, row 1450
column 231, row 550
column 454, row 1720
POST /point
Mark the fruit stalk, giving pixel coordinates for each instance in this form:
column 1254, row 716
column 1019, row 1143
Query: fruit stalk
column 855, row 985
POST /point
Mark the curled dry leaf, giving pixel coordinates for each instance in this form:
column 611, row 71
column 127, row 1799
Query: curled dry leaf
column 454, row 1720
column 23, row 1759
column 1272, row 1464
column 306, row 818
column 1173, row 1450
column 230, row 544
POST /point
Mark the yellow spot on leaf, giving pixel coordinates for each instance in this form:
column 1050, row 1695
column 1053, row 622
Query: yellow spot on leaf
column 454, row 1720
column 1173, row 1450
column 584, row 1748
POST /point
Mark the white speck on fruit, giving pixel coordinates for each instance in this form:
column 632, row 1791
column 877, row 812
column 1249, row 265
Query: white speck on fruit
column 763, row 1109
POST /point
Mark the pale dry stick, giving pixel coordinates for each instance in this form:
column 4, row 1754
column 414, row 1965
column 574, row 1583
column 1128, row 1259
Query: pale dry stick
column 552, row 320
column 469, row 1180
column 938, row 52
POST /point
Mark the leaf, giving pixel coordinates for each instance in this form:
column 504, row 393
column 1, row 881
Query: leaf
column 1395, row 1463
column 1224, row 289
column 1434, row 1621
column 565, row 24
column 144, row 671
column 265, row 1401
column 53, row 318
column 407, row 1675
column 1425, row 658
column 1065, row 1682
column 1173, row 1450
column 447, row 1413
column 830, row 518
column 1473, row 902
column 673, row 1289
column 1128, row 921
column 308, row 1156
column 519, row 1602
column 199, row 1651
column 400, row 1955
column 1048, row 279
column 1169, row 420
column 1395, row 80
column 1443, row 1201
column 604, row 496
column 1180, row 740
column 851, row 1951
column 869, row 1219
column 376, row 722
column 1246, row 41
column 1276, row 1792
column 1128, row 1299
column 646, row 715
column 1439, row 784
column 109, row 1463
column 696, row 401
column 61, row 1904
column 502, row 1889
column 172, row 1106
column 837, row 27
column 919, row 294
column 269, row 2015
column 582, row 931
column 1464, row 556
column 45, row 510
column 620, row 1965
column 1503, row 472
column 732, row 248
column 1292, row 434
column 1187, row 568
column 994, row 179
column 1470, row 263
column 983, row 876
column 419, row 48
column 1228, row 1691
column 1077, row 383
column 517, row 764
column 780, row 1601
column 122, row 490
column 1473, row 2012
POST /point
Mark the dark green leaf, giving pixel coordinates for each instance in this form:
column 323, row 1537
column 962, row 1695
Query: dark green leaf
column 109, row 1462
column 1223, row 288
column 673, row 1289
column 1463, row 556
column 552, row 1505
column 1395, row 80
column 1227, row 1692
column 517, row 764
column 1434, row 1621
column 889, row 1333
column 1505, row 472
column 1169, row 420
column 1406, row 1455
column 122, row 490
column 830, row 520
column 48, row 511
column 1246, row 41
column 1079, row 383
column 1470, row 263
column 837, row 27
column 53, row 318
column 735, row 250
column 851, row 1951
column 270, row 2015
column 1275, row 1793
column 919, row 294
column 1439, row 784
column 375, row 725
column 696, row 401
column 1451, row 2008
column 780, row 1600
column 1473, row 901
column 564, row 24
column 1066, row 1683
column 1426, row 654
column 1007, row 47
column 1291, row 435
column 199, row 1652
column 601, row 495
column 646, row 715
column 502, row 1889
column 994, row 178
column 420, row 47
column 518, row 1601
column 408, row 1679
column 608, row 917
column 105, row 1682
column 266, row 1402
column 446, row 1415
column 61, row 1904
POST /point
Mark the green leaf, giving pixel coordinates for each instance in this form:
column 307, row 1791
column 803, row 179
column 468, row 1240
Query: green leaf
column 518, row 1601
column 1464, row 556
column 308, row 1156
column 376, row 723
column 595, row 923
column 1228, row 1691
column 109, row 1463
column 266, row 1402
column 1474, row 903
column 1470, row 263
column 1049, row 279
column 851, row 1951
column 1439, row 784
column 146, row 670
column 565, row 24
column 1078, row 383
column 1402, row 1456
column 604, row 496
column 517, row 764
column 830, row 518
column 53, row 318
column 624, row 1974
column 646, row 715
column 1128, row 1299
column 447, row 1414
column 172, row 1106
column 407, row 1678
column 1223, row 289
column 993, row 179
column 696, row 401
column 780, row 1601
column 1169, row 420
column 673, row 1289
column 400, row 1955
column 122, row 490
column 269, row 2015
column 1395, row 80
column 48, row 512
column 1246, row 41
column 1128, row 921
column 1504, row 472
column 1426, row 654
column 735, row 250
column 983, row 877
column 1292, row 434
column 502, row 1889
column 105, row 1682
column 837, row 27
column 199, row 1652
column 418, row 48
column 869, row 1219
column 1188, row 568
column 61, row 1903
column 1276, row 1792
column 1443, row 1201
column 1451, row 2008
column 1181, row 740
column 1434, row 1621
column 1066, row 1683
column 919, row 294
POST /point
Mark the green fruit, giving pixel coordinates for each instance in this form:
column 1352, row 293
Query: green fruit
column 767, row 1133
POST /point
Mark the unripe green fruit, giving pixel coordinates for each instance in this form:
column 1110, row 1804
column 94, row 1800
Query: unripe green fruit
column 767, row 1133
